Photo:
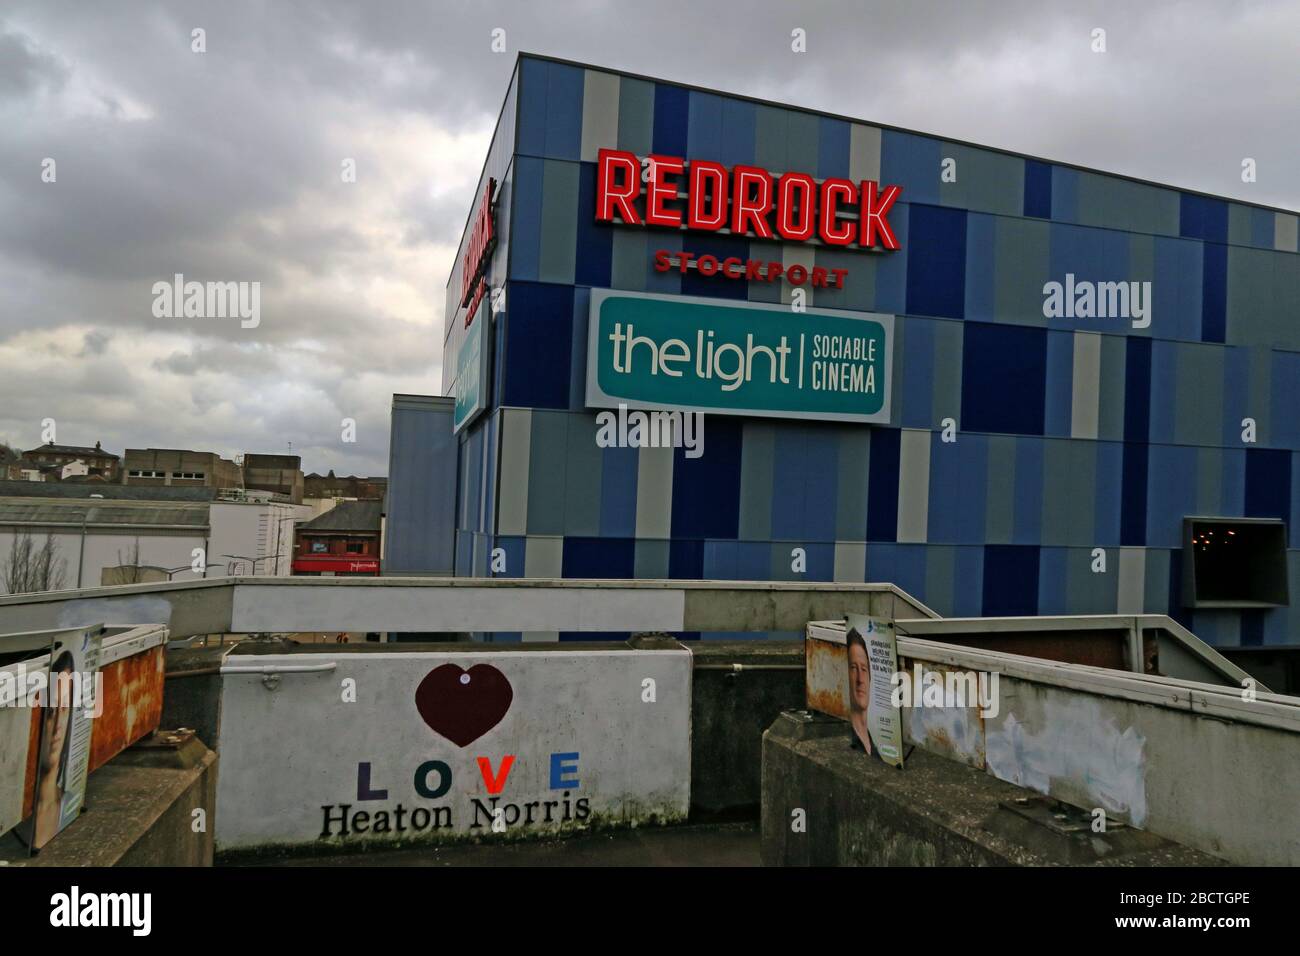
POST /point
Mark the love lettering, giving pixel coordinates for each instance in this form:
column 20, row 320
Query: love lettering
column 432, row 781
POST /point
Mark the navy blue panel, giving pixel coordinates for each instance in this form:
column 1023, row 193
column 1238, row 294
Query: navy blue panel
column 1137, row 389
column 686, row 559
column 672, row 111
column 1268, row 483
column 1252, row 628
column 1003, row 379
column 1010, row 580
column 1214, row 293
column 882, row 485
column 616, row 636
column 599, row 558
column 1133, row 496
column 1201, row 217
column 832, row 148
column 936, row 261
column 539, row 319
column 1176, row 609
column 706, row 490
column 1038, row 189
column 595, row 246
column 718, row 285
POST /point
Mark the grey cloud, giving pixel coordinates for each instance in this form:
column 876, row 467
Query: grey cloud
column 224, row 166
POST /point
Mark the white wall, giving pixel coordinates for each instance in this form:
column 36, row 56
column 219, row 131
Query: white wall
column 254, row 530
column 110, row 550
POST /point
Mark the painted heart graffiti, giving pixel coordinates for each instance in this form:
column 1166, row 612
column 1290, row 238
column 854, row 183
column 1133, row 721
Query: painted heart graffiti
column 463, row 705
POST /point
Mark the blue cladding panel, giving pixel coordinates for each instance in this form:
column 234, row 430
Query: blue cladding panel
column 534, row 78
column 917, row 355
column 911, row 162
column 1059, row 388
column 936, row 261
column 1136, row 389
column 833, row 149
column 1038, row 189
column 882, row 485
column 538, row 345
column 1133, row 504
column 716, row 286
column 686, row 558
column 1028, row 501
column 1004, row 371
column 980, row 275
column 1268, row 483
column 672, row 112
column 1203, row 218
column 599, row 557
column 1010, row 580
column 595, row 249
column 704, row 127
column 706, row 490
column 564, row 111
column 526, row 222
column 1214, row 293
column 618, row 483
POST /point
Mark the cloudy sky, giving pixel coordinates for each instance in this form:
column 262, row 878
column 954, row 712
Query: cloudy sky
column 225, row 165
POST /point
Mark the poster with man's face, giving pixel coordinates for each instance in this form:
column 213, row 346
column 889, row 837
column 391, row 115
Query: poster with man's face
column 873, row 660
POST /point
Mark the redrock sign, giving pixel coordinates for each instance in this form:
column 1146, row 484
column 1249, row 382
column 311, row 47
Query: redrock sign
column 746, row 200
column 473, row 284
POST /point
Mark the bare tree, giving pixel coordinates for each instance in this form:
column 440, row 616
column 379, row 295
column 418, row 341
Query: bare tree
column 32, row 567
column 128, row 569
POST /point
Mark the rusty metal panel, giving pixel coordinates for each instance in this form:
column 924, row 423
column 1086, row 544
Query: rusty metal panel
column 132, row 706
column 826, row 674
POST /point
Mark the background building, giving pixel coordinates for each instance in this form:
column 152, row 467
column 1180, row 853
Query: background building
column 344, row 540
column 1081, row 447
column 281, row 474
column 115, row 534
column 164, row 467
column 55, row 462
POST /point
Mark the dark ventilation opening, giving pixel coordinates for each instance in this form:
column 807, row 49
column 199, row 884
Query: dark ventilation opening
column 1234, row 562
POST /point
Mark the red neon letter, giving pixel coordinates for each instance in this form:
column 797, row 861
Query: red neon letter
column 835, row 191
column 875, row 206
column 659, row 190
column 787, row 187
column 702, row 171
column 747, row 212
column 609, row 195
column 495, row 783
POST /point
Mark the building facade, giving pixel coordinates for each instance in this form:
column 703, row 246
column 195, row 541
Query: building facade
column 345, row 540
column 63, row 461
column 167, row 467
column 1034, row 375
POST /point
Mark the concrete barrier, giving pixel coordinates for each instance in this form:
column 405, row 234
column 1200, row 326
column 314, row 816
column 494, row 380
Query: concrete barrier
column 448, row 605
column 375, row 746
column 1199, row 764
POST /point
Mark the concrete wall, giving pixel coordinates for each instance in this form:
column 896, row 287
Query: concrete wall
column 825, row 804
column 1194, row 763
column 332, row 750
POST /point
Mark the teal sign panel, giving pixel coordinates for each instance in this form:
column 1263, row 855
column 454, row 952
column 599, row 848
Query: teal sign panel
column 471, row 374
column 738, row 358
